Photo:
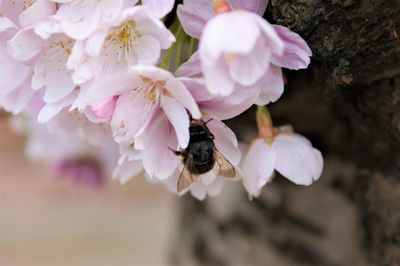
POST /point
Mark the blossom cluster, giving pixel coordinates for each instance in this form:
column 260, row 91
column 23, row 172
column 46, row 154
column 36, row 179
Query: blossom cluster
column 113, row 88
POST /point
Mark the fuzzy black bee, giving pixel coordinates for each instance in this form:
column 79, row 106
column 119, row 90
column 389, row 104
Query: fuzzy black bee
column 201, row 156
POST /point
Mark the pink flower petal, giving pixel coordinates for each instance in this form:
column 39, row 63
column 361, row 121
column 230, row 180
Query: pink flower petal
column 181, row 93
column 158, row 160
column 271, row 85
column 258, row 166
column 38, row 11
column 297, row 160
column 233, row 32
column 25, row 45
column 50, row 110
column 95, row 42
column 50, row 72
column 129, row 117
column 6, row 24
column 148, row 50
column 148, row 25
column 225, row 141
column 198, row 190
column 190, row 68
column 114, row 85
column 296, row 54
column 151, row 72
column 193, row 15
column 17, row 99
column 217, row 78
column 271, row 37
column 247, row 69
column 221, row 107
column 255, row 6
column 179, row 119
column 104, row 109
column 159, row 8
column 127, row 170
column 216, row 187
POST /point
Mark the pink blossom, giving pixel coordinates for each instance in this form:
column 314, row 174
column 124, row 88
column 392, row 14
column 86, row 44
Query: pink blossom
column 194, row 14
column 105, row 109
column 249, row 54
column 79, row 19
column 135, row 36
column 159, row 8
column 279, row 149
column 236, row 48
column 15, row 90
column 143, row 92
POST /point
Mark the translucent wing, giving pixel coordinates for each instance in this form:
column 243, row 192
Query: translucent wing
column 186, row 178
column 225, row 168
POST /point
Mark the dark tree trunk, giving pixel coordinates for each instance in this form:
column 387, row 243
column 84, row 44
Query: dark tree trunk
column 348, row 104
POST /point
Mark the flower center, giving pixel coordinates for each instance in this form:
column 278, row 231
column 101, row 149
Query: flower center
column 270, row 134
column 152, row 90
column 124, row 41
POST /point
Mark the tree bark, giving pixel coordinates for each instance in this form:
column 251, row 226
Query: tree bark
column 348, row 104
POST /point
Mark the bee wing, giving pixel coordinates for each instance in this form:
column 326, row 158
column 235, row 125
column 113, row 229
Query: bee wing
column 186, row 178
column 225, row 168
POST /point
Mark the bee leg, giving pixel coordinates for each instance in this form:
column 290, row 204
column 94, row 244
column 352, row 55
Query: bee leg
column 209, row 120
column 175, row 152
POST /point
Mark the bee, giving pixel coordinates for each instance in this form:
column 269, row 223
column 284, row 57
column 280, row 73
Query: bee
column 201, row 156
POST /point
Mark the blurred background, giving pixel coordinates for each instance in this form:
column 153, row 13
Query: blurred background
column 48, row 221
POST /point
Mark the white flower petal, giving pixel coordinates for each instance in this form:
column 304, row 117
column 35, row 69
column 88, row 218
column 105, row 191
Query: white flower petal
column 127, row 170
column 158, row 160
column 271, row 85
column 129, row 117
column 25, row 45
column 247, row 69
column 217, row 78
column 258, row 166
column 159, row 8
column 148, row 50
column 225, row 141
column 179, row 119
column 38, row 11
column 181, row 93
column 296, row 159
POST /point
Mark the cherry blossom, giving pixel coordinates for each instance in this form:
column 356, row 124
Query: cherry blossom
column 280, row 149
column 15, row 90
column 255, row 60
column 194, row 14
column 79, row 19
column 135, row 36
column 236, row 48
column 143, row 92
column 95, row 81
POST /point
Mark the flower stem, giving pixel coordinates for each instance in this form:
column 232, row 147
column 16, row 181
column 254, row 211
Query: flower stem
column 192, row 47
column 220, row 6
column 181, row 39
column 165, row 62
column 264, row 122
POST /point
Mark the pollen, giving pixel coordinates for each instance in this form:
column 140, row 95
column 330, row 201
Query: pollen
column 151, row 95
column 124, row 40
column 229, row 58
